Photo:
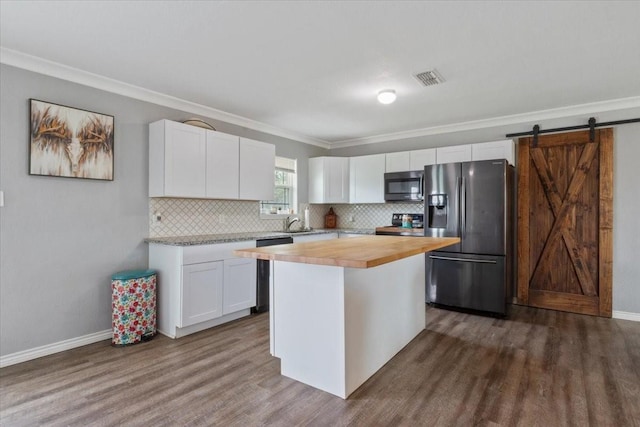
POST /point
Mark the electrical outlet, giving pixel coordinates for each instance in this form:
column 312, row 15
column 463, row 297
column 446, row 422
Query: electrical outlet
column 222, row 218
column 351, row 218
column 157, row 217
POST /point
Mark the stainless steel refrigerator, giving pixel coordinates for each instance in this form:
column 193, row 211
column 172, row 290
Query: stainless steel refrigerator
column 473, row 201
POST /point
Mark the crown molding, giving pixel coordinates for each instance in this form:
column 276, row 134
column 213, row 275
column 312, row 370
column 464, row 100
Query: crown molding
column 514, row 119
column 57, row 70
column 64, row 72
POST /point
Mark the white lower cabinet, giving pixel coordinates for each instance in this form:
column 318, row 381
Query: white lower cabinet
column 239, row 285
column 201, row 292
column 314, row 237
column 202, row 286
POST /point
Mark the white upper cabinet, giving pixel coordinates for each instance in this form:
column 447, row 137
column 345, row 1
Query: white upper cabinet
column 398, row 162
column 366, row 179
column 257, row 166
column 453, row 154
column 410, row 160
column 188, row 161
column 329, row 180
column 223, row 166
column 177, row 161
column 493, row 150
column 420, row 158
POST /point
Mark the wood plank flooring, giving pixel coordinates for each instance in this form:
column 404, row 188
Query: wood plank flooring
column 537, row 368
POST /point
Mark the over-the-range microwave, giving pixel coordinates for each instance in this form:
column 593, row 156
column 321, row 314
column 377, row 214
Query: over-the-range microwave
column 403, row 186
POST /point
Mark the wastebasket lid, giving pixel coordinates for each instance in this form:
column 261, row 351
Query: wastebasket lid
column 132, row 274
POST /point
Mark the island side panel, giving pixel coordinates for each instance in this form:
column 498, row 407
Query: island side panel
column 308, row 324
column 384, row 311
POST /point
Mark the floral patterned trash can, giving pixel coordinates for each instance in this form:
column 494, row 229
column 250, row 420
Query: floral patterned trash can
column 133, row 300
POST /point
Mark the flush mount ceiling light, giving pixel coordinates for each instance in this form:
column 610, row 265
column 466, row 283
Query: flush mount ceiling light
column 386, row 96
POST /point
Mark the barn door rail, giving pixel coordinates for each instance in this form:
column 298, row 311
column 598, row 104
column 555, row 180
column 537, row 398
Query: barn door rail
column 591, row 125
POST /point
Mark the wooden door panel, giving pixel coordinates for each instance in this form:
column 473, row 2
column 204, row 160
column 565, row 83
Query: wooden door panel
column 561, row 302
column 564, row 222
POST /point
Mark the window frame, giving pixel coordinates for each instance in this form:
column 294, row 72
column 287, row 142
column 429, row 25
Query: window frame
column 286, row 164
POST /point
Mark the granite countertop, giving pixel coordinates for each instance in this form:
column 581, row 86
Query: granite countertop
column 208, row 239
column 357, row 252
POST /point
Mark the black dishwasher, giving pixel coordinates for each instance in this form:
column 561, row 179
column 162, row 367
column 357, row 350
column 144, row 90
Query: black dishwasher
column 262, row 283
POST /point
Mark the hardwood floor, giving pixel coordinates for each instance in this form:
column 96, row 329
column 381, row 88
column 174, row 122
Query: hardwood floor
column 538, row 367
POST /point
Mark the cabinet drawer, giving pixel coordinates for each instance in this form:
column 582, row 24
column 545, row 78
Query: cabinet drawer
column 215, row 252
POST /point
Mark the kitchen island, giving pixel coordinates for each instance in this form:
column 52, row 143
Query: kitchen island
column 342, row 308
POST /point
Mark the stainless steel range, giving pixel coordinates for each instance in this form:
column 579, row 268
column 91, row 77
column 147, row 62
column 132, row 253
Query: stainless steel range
column 413, row 225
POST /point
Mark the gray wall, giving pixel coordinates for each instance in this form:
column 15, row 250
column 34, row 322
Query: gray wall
column 61, row 238
column 626, row 219
column 626, row 233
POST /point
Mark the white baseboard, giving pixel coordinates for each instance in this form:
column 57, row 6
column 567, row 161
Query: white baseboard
column 626, row 315
column 45, row 350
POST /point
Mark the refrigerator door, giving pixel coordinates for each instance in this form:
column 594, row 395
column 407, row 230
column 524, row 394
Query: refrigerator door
column 476, row 282
column 442, row 202
column 483, row 207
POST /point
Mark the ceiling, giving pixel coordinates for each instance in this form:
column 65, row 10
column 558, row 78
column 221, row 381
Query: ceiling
column 312, row 69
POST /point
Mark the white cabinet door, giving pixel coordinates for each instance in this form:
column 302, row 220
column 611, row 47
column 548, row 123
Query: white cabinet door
column 453, row 154
column 336, row 188
column 177, row 161
column 316, row 180
column 257, row 166
column 366, row 179
column 239, row 284
column 421, row 158
column 398, row 162
column 493, row 150
column 223, row 165
column 201, row 292
column 329, row 180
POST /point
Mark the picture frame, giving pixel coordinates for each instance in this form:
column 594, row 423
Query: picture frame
column 70, row 142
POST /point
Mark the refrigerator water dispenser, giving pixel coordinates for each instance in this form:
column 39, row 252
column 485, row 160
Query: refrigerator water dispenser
column 437, row 210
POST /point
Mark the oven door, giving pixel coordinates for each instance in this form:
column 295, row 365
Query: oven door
column 403, row 186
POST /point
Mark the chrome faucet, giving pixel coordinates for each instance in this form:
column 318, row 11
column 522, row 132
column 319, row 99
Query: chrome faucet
column 289, row 222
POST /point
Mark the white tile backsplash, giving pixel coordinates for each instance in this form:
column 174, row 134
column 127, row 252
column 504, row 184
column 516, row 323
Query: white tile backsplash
column 363, row 215
column 188, row 217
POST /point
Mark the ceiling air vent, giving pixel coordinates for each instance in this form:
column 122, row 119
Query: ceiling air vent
column 429, row 78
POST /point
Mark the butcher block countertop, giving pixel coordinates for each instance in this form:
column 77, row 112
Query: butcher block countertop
column 353, row 252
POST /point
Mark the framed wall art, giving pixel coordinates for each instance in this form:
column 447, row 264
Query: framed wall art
column 69, row 142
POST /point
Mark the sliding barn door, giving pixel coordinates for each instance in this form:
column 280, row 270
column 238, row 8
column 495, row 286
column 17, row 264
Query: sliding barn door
column 565, row 221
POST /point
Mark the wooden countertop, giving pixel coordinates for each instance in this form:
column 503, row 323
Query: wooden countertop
column 352, row 252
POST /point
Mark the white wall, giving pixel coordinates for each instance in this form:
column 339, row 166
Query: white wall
column 626, row 219
column 62, row 238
